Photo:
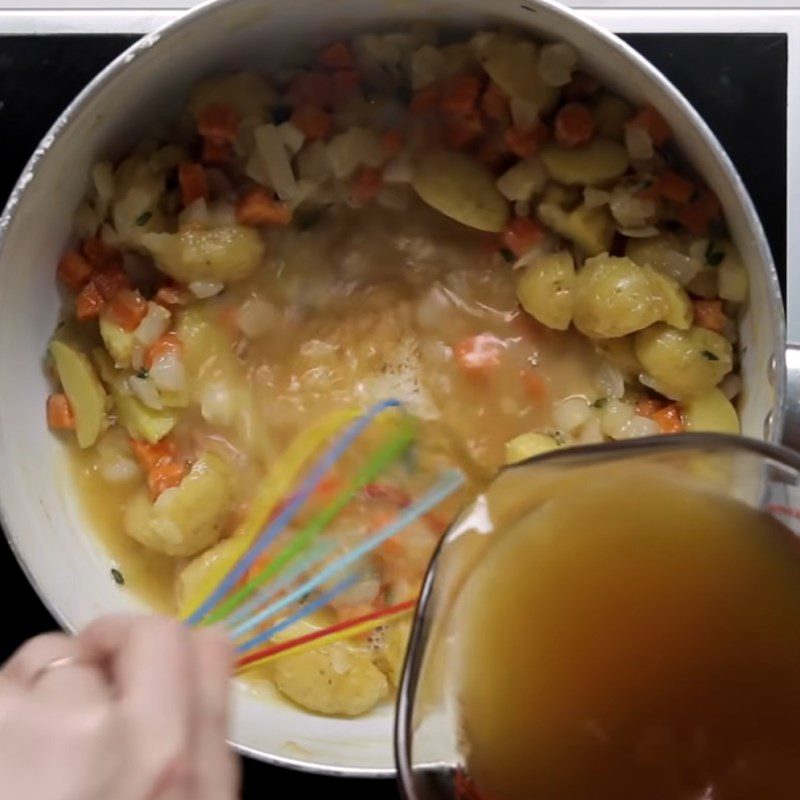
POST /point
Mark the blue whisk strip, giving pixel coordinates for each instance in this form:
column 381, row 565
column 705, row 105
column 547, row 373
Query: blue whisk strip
column 319, row 551
column 451, row 481
column 307, row 487
column 314, row 605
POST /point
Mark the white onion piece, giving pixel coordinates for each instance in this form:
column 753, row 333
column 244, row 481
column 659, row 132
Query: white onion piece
column 119, row 470
column 360, row 593
column 292, row 137
column 522, row 208
column 275, row 161
column 569, row 414
column 167, row 371
column 591, row 431
column 681, row 267
column 195, row 214
column 698, row 250
column 154, row 325
column 255, row 317
column 399, row 170
column 145, row 390
column 313, row 162
column 614, row 417
column 629, row 210
column 731, row 385
column 524, row 113
column 638, row 427
column 557, row 62
column 204, row 289
column 638, row 143
column 138, row 352
column 642, row 232
column 217, row 404
column 596, row 198
column 427, row 65
column 609, row 381
column 432, row 308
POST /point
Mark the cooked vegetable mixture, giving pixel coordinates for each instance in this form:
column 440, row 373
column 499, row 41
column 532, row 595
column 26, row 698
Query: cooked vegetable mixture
column 474, row 226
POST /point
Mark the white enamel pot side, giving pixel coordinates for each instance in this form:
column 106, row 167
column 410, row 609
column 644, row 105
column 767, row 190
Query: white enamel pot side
column 44, row 525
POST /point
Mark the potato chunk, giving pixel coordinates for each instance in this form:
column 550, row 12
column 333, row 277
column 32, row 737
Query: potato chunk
column 599, row 161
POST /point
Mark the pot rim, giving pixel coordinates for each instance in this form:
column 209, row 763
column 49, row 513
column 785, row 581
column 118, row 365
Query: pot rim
column 161, row 38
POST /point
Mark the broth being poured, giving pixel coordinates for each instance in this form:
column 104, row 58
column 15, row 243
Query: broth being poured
column 645, row 646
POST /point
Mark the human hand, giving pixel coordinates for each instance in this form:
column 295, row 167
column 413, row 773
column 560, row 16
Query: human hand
column 133, row 708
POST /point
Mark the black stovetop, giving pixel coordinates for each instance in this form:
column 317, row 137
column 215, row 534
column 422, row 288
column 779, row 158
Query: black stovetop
column 738, row 82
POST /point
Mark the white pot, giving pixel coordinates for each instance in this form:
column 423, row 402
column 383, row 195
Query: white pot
column 45, row 527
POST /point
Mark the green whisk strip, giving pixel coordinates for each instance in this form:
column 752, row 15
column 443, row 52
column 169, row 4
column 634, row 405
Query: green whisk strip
column 377, row 463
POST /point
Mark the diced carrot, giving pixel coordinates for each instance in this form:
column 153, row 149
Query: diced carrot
column 392, row 142
column 215, row 153
column 100, row 254
column 193, row 182
column 669, row 419
column 525, row 144
column 652, row 121
column 164, row 476
column 74, row 271
column 345, row 86
column 171, row 296
column 169, row 342
column 313, row 122
column 463, row 130
column 574, row 126
column 127, row 308
column 59, row 413
column 89, row 302
column 218, row 122
column 672, row 186
column 478, row 355
column 257, row 207
column 151, row 455
column 110, row 280
column 437, row 522
column 337, row 56
column 521, row 235
column 648, row 406
column 426, row 99
column 460, row 94
column 696, row 217
column 331, row 484
column 581, row 86
column 535, row 385
column 494, row 103
column 311, row 89
column 366, row 185
column 709, row 314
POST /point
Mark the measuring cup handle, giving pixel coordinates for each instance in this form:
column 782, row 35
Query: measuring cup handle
column 791, row 419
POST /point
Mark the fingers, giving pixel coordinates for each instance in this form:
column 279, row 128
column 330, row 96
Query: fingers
column 216, row 764
column 77, row 681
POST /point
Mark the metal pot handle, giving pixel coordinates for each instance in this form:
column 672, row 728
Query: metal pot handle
column 791, row 424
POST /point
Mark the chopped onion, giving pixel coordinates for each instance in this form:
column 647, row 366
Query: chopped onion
column 638, row 143
column 167, row 371
column 360, row 593
column 222, row 214
column 292, row 137
column 595, row 198
column 639, row 427
column 119, row 470
column 313, row 162
column 642, row 232
column 154, row 325
column 275, row 160
column 614, row 417
column 571, row 413
column 145, row 390
column 427, row 66
column 524, row 114
column 399, row 170
column 217, row 404
column 609, row 381
column 196, row 213
column 204, row 289
column 681, row 267
column 698, row 250
column 354, row 147
column 254, row 169
column 255, row 317
column 522, row 208
column 138, row 352
column 557, row 62
column 591, row 431
column 731, row 385
column 629, row 210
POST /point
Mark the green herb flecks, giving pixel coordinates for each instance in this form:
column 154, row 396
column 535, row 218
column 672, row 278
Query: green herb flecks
column 714, row 257
column 709, row 356
column 144, row 218
column 117, row 576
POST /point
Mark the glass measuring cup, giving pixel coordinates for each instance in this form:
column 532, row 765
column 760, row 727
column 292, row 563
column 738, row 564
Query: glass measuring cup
column 429, row 753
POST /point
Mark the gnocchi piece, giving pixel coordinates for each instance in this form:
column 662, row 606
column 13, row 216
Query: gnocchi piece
column 599, row 161
column 225, row 255
column 732, row 275
column 614, row 297
column 392, row 655
column 667, row 253
column 611, row 113
column 592, row 229
column 340, row 679
column 678, row 310
column 117, row 340
column 247, row 92
column 620, row 353
column 193, row 579
column 461, row 189
column 545, row 290
column 514, row 66
column 527, row 446
column 143, row 422
column 186, row 519
column 683, row 364
column 83, row 389
column 522, row 181
column 711, row 412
